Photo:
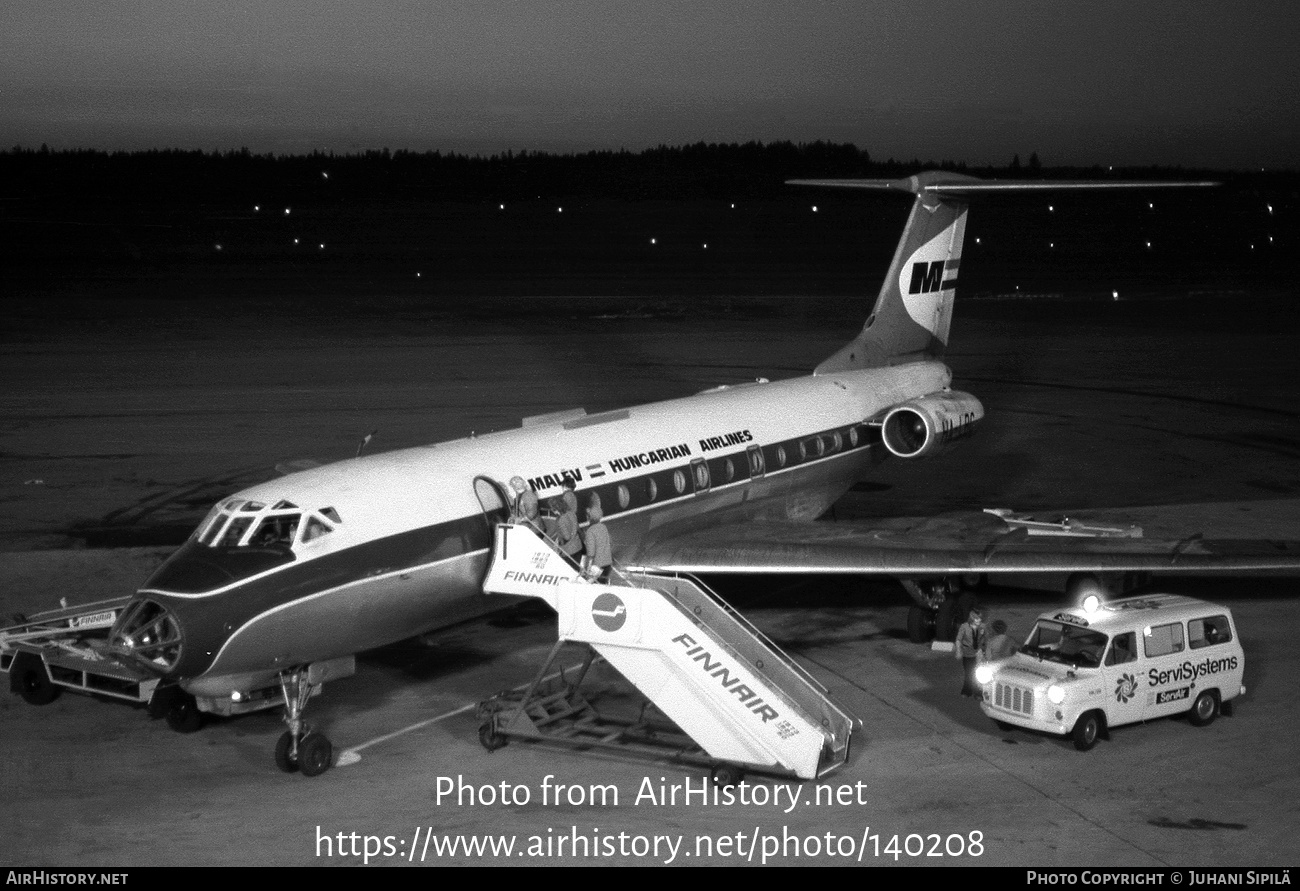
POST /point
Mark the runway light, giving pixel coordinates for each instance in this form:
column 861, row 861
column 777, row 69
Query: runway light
column 814, row 208
column 501, row 207
column 559, row 210
column 1270, row 209
column 322, row 245
column 1051, row 244
column 1148, row 245
column 1114, row 295
column 654, row 241
column 977, row 241
column 295, row 241
column 324, row 174
column 1151, row 205
column 419, row 274
column 257, row 208
column 706, row 245
column 286, row 211
column 733, row 205
column 1051, row 208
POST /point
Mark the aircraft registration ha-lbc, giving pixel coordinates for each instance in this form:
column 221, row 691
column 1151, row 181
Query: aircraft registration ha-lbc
column 284, row 582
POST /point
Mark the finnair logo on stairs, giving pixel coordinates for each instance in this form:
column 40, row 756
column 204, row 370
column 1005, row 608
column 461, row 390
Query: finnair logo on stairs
column 608, row 612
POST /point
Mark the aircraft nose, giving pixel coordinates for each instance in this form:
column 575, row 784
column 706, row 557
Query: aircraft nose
column 148, row 634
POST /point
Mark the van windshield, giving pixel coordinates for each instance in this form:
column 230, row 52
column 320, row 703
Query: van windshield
column 1065, row 643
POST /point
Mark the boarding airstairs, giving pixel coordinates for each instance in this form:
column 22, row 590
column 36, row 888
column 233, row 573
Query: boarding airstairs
column 721, row 681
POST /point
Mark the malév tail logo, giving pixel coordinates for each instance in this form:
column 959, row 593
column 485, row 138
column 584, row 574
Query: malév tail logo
column 926, row 277
column 608, row 612
column 926, row 280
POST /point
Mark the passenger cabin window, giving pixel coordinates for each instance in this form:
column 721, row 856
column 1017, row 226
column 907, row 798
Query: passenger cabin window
column 1123, row 649
column 1208, row 632
column 1161, row 640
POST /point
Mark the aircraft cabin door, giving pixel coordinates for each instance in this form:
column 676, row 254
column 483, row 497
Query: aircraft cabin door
column 494, row 500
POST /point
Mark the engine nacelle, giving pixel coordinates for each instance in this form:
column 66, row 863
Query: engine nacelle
column 927, row 425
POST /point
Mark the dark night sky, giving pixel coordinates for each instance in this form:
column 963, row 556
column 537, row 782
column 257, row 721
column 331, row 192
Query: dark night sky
column 1190, row 83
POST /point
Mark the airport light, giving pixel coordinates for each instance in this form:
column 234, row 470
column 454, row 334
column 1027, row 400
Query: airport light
column 217, row 246
column 286, row 211
column 654, row 241
column 1114, row 295
column 814, row 208
column 257, row 208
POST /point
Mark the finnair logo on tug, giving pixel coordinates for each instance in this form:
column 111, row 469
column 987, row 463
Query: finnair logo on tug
column 929, row 273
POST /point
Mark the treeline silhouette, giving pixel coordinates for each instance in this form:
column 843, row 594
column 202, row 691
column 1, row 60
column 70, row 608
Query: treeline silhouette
column 698, row 171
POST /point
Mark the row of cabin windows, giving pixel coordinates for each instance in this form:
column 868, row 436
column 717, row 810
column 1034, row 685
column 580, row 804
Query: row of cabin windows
column 705, row 473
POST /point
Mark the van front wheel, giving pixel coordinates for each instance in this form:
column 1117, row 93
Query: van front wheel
column 1205, row 709
column 1087, row 730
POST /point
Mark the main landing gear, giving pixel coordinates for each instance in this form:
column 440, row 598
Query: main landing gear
column 302, row 748
column 940, row 607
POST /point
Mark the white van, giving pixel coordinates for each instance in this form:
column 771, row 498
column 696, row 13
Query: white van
column 1082, row 671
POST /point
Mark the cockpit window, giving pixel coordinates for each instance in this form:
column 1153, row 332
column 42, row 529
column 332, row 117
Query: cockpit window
column 315, row 529
column 235, row 531
column 209, row 528
column 252, row 506
column 276, row 531
column 331, row 514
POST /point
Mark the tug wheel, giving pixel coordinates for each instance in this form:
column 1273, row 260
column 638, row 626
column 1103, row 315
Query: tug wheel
column 184, row 716
column 489, row 737
column 285, row 759
column 32, row 681
column 315, row 754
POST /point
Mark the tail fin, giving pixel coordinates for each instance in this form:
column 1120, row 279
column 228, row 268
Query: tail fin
column 913, row 311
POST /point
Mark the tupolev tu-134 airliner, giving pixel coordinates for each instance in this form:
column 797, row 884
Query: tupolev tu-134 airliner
column 283, row 583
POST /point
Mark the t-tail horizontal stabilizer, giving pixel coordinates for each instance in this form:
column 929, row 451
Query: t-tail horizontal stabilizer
column 913, row 311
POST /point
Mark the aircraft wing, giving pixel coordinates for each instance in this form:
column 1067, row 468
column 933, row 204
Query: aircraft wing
column 1242, row 537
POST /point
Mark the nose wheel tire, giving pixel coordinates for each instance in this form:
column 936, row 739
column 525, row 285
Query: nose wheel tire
column 315, row 755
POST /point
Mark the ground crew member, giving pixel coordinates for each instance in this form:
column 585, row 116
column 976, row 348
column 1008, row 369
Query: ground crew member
column 1000, row 645
column 525, row 508
column 599, row 549
column 970, row 648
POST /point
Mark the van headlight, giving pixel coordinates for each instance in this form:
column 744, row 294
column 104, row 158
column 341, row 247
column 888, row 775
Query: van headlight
column 1056, row 694
column 983, row 674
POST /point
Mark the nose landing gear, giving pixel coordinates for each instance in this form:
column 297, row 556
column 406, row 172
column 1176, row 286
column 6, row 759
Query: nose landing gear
column 302, row 748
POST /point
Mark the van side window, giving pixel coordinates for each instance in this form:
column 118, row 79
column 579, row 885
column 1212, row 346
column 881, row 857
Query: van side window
column 1123, row 649
column 1161, row 640
column 1208, row 632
